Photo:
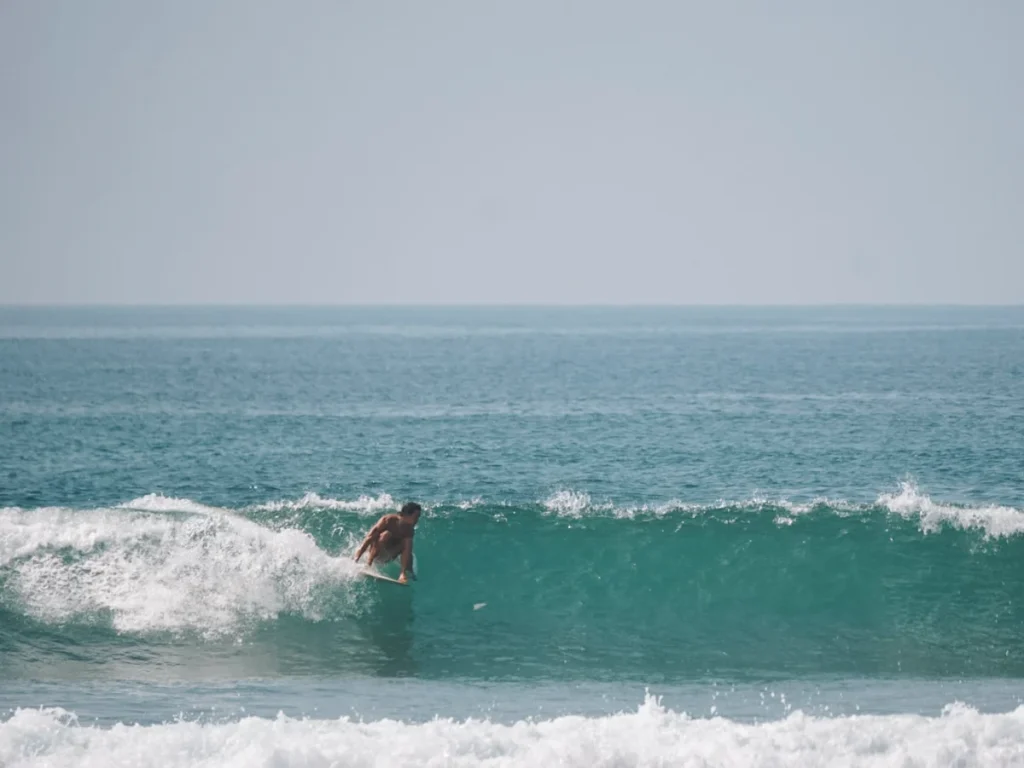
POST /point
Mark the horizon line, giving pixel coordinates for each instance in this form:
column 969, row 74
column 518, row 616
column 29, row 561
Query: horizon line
column 509, row 305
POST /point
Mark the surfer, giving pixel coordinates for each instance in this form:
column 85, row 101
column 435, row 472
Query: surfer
column 390, row 537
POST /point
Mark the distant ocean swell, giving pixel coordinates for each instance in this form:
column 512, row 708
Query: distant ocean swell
column 565, row 587
column 651, row 736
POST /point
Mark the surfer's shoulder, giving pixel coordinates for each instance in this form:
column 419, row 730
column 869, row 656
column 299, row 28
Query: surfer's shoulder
column 385, row 521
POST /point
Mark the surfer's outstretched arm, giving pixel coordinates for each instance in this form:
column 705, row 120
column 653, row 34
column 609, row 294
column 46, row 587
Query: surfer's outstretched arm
column 370, row 537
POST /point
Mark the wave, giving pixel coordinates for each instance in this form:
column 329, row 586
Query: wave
column 651, row 736
column 564, row 587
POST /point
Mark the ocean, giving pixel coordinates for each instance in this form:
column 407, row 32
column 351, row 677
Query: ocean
column 651, row 536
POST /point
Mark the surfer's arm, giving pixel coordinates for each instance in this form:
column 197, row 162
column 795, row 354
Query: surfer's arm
column 370, row 537
column 406, row 559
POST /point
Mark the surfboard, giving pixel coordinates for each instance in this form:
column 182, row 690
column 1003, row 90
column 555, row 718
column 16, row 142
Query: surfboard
column 373, row 574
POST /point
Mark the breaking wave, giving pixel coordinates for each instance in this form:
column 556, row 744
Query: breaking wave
column 650, row 736
column 565, row 587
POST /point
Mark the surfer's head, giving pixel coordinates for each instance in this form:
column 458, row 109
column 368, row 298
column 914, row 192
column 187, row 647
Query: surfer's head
column 411, row 511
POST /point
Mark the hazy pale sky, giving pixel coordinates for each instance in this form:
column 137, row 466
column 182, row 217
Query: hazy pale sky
column 511, row 152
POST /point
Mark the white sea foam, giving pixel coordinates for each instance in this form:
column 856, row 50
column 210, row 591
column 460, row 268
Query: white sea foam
column 997, row 521
column 651, row 736
column 209, row 572
column 156, row 502
column 569, row 503
column 576, row 504
column 909, row 502
column 364, row 504
column 368, row 505
column 27, row 532
column 572, row 504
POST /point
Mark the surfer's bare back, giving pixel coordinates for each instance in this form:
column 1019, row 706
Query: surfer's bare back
column 391, row 536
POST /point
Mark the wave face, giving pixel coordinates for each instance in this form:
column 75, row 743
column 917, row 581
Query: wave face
column 562, row 589
column 651, row 736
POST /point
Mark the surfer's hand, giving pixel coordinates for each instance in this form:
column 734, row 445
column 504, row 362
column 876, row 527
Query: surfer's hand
column 402, row 579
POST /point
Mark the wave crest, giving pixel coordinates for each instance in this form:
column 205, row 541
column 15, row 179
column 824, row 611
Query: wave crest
column 367, row 505
column 157, row 502
column 995, row 520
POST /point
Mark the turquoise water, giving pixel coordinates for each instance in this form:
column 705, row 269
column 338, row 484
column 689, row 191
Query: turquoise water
column 807, row 520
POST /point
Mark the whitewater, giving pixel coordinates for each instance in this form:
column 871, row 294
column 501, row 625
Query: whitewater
column 650, row 736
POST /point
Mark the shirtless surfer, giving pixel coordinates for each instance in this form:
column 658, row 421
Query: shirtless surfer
column 391, row 537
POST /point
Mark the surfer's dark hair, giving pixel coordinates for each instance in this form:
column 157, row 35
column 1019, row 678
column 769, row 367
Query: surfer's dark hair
column 411, row 508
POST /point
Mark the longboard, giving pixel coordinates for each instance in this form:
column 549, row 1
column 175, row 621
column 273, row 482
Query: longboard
column 381, row 577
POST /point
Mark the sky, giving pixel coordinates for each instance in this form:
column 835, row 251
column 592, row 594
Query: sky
column 511, row 152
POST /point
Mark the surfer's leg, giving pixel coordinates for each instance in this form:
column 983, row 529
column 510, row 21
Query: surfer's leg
column 380, row 549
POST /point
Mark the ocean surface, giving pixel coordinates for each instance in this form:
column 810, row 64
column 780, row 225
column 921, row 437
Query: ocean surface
column 652, row 537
